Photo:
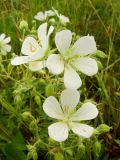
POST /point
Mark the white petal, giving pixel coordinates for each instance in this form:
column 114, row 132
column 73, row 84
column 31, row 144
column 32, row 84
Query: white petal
column 51, row 29
column 50, row 13
column 82, row 130
column 63, row 40
column 7, row 48
column 58, row 131
column 40, row 16
column 3, row 52
column 42, row 34
column 29, row 46
column 86, row 112
column 2, row 36
column 20, row 60
column 36, row 65
column 7, row 40
column 64, row 19
column 84, row 46
column 71, row 79
column 86, row 65
column 69, row 99
column 55, row 64
column 52, row 108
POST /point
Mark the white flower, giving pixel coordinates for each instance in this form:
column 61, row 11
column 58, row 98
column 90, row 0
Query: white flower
column 4, row 46
column 73, row 58
column 69, row 118
column 42, row 16
column 63, row 19
column 34, row 50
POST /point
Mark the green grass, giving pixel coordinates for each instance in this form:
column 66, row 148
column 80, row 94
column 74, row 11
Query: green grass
column 100, row 18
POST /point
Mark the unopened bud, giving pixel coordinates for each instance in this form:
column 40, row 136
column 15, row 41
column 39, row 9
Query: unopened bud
column 96, row 149
column 18, row 100
column 52, row 21
column 32, row 152
column 38, row 100
column 33, row 127
column 27, row 116
column 101, row 54
column 42, row 82
column 49, row 90
column 23, row 25
column 102, row 128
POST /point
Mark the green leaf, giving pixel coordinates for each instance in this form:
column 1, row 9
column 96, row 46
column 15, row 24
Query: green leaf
column 13, row 153
column 15, row 149
column 19, row 142
column 117, row 141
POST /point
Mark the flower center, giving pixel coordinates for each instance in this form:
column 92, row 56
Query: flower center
column 68, row 114
column 32, row 48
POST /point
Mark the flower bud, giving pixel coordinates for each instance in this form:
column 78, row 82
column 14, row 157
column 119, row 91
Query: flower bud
column 23, row 25
column 32, row 152
column 33, row 127
column 42, row 82
column 101, row 54
column 49, row 90
column 38, row 100
column 52, row 21
column 27, row 116
column 18, row 100
column 96, row 149
column 100, row 66
column 35, row 155
column 82, row 150
column 102, row 128
column 39, row 144
column 58, row 156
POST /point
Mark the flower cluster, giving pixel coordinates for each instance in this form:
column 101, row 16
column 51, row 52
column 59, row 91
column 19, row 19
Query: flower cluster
column 70, row 60
column 43, row 16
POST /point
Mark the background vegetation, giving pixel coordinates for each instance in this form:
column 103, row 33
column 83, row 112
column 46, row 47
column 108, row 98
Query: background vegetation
column 100, row 18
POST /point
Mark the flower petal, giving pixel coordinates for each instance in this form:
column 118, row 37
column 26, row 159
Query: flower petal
column 51, row 29
column 86, row 112
column 3, row 52
column 2, row 36
column 71, row 78
column 42, row 34
column 63, row 40
column 7, row 40
column 40, row 16
column 69, row 99
column 50, row 13
column 37, row 65
column 82, row 130
column 55, row 64
column 20, row 60
column 84, row 46
column 58, row 131
column 7, row 48
column 52, row 108
column 64, row 19
column 29, row 46
column 86, row 65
